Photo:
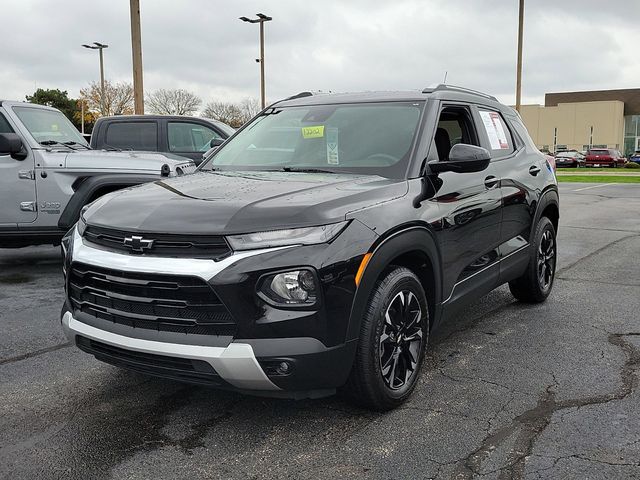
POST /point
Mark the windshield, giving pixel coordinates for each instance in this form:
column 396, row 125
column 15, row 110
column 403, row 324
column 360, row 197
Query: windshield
column 373, row 138
column 48, row 125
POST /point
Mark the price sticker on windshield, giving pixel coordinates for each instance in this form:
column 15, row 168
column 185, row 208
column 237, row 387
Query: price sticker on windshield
column 313, row 132
column 332, row 146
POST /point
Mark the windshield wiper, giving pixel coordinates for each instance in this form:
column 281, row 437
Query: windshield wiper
column 48, row 143
column 76, row 143
column 110, row 148
column 306, row 170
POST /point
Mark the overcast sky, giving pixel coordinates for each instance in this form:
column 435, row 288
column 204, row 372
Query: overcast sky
column 201, row 46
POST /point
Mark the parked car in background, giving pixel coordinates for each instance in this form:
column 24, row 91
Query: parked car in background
column 604, row 157
column 186, row 136
column 49, row 173
column 635, row 157
column 571, row 159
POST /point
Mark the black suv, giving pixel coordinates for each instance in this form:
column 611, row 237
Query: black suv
column 189, row 137
column 318, row 247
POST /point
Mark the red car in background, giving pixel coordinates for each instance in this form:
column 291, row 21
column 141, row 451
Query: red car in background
column 604, row 157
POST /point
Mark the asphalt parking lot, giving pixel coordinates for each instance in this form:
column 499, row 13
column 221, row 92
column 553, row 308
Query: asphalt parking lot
column 510, row 390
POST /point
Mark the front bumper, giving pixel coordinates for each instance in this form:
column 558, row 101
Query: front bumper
column 236, row 364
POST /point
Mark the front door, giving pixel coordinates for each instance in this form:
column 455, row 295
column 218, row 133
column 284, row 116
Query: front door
column 17, row 185
column 470, row 210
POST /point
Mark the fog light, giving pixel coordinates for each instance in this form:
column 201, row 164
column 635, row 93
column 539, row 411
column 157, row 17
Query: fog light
column 297, row 287
column 283, row 368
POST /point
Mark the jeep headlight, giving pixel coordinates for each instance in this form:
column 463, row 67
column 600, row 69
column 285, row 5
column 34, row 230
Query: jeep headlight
column 285, row 237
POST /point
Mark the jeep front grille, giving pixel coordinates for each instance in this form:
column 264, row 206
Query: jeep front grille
column 171, row 303
column 214, row 247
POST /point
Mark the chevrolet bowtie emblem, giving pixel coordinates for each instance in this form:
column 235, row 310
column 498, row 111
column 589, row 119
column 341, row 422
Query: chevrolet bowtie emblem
column 137, row 243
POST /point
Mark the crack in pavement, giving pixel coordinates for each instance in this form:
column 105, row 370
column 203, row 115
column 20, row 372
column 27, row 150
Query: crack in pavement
column 533, row 422
column 594, row 253
column 35, row 353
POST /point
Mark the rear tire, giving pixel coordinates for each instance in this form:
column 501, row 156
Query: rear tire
column 392, row 344
column 534, row 286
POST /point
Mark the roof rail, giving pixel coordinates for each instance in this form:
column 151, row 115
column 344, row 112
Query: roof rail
column 300, row 95
column 444, row 87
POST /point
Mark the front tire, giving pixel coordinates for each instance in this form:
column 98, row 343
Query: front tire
column 534, row 286
column 392, row 344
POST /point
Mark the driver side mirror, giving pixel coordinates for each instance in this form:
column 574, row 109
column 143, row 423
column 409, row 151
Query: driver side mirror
column 216, row 142
column 463, row 158
column 11, row 144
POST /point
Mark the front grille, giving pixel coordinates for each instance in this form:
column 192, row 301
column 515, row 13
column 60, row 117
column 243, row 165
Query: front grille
column 175, row 368
column 164, row 244
column 169, row 303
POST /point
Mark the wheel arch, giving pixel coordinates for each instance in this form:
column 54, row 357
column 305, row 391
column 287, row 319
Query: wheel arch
column 91, row 188
column 413, row 247
column 548, row 206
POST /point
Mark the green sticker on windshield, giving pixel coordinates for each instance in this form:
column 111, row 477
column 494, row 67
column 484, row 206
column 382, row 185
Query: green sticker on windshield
column 313, row 132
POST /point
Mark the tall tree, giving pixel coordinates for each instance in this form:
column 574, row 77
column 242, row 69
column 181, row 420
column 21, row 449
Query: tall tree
column 250, row 108
column 57, row 99
column 118, row 98
column 172, row 102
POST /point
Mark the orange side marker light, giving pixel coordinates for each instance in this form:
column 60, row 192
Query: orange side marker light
column 361, row 268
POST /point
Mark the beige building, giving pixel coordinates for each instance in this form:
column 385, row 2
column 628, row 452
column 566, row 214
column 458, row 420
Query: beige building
column 579, row 120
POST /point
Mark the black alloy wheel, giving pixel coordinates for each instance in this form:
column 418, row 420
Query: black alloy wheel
column 534, row 286
column 401, row 339
column 392, row 343
column 546, row 260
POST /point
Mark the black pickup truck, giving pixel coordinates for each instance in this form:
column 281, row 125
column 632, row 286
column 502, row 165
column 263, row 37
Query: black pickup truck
column 186, row 136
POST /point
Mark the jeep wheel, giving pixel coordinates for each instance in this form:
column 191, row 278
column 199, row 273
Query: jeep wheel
column 535, row 284
column 392, row 343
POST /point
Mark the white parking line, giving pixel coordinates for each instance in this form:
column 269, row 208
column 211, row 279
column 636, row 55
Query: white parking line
column 593, row 186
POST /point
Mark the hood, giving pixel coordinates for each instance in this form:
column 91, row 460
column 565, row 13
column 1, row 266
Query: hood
column 125, row 161
column 240, row 202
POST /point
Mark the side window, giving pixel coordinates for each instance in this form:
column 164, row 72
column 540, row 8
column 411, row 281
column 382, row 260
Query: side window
column 4, row 125
column 190, row 137
column 454, row 126
column 498, row 134
column 133, row 135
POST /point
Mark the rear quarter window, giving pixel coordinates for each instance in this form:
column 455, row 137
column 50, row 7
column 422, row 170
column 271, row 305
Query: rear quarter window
column 132, row 136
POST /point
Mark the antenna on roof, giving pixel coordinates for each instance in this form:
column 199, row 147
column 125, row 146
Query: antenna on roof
column 445, row 77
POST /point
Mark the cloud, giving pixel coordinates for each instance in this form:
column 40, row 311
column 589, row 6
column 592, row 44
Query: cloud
column 200, row 45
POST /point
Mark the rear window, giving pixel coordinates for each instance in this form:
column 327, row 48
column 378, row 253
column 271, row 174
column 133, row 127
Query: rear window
column 599, row 152
column 133, row 136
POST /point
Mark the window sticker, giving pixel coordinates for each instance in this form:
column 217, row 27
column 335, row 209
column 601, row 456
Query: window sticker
column 332, row 146
column 495, row 130
column 313, row 132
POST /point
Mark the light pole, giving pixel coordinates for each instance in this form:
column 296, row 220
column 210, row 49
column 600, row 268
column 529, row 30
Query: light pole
column 136, row 55
column 99, row 46
column 519, row 66
column 261, row 19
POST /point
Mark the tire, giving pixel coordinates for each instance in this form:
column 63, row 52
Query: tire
column 534, row 286
column 387, row 350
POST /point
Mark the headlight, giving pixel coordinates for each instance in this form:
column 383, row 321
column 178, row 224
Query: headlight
column 297, row 287
column 82, row 224
column 291, row 236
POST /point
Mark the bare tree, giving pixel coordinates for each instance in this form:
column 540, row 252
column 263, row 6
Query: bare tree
column 226, row 112
column 172, row 102
column 250, row 108
column 118, row 98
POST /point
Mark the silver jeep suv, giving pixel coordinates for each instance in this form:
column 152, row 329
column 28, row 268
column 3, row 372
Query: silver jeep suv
column 48, row 173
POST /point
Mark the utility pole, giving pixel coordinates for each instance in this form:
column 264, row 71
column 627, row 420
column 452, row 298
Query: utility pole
column 100, row 46
column 136, row 53
column 519, row 67
column 261, row 19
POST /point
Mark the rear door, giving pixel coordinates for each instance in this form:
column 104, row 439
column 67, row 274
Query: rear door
column 17, row 185
column 521, row 180
column 190, row 139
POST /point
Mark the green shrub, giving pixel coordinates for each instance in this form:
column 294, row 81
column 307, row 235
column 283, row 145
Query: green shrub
column 632, row 165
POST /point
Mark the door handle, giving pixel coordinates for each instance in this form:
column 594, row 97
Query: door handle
column 534, row 170
column 491, row 181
